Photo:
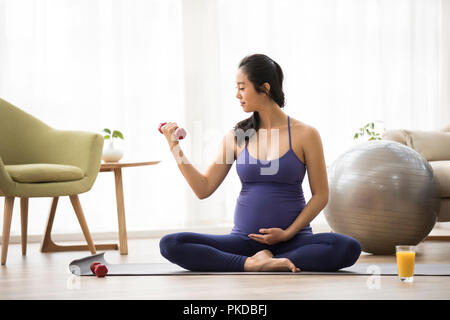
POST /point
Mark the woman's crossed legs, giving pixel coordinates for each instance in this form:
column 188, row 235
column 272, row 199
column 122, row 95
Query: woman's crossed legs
column 227, row 253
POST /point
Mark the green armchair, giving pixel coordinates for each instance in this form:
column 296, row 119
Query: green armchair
column 39, row 161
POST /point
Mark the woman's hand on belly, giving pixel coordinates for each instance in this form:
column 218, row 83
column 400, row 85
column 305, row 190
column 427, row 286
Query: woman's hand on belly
column 270, row 236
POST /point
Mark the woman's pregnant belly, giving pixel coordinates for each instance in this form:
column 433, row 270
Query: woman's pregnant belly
column 267, row 206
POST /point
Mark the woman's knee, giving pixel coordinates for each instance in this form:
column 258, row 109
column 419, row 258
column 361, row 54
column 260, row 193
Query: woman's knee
column 167, row 244
column 350, row 250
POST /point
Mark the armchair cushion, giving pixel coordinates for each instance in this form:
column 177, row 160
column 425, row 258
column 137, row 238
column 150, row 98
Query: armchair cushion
column 43, row 172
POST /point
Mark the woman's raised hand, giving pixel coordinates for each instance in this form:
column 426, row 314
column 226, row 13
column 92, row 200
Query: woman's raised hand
column 168, row 130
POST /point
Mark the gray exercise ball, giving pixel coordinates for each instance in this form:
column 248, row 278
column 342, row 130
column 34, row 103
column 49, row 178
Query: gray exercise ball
column 383, row 194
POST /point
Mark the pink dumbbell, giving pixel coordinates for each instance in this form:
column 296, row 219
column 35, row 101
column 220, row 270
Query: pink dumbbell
column 179, row 133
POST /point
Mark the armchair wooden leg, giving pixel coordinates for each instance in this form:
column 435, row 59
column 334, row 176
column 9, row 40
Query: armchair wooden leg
column 80, row 215
column 24, row 223
column 7, row 217
column 47, row 242
column 49, row 246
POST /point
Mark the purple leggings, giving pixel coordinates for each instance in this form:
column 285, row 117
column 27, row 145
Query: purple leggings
column 226, row 253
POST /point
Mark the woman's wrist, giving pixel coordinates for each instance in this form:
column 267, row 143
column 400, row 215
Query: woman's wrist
column 289, row 233
column 173, row 145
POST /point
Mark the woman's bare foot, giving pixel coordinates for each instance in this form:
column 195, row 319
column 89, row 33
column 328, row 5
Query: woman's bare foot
column 263, row 261
column 262, row 255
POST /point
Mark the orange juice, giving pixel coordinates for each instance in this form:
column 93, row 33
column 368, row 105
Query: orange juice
column 405, row 263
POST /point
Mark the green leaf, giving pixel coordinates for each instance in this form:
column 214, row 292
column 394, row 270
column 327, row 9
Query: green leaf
column 355, row 136
column 368, row 132
column 106, row 137
column 372, row 139
column 372, row 125
column 107, row 130
column 117, row 134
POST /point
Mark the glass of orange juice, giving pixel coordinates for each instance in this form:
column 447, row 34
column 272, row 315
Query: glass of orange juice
column 405, row 262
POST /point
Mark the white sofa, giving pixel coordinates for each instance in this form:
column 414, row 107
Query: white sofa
column 434, row 146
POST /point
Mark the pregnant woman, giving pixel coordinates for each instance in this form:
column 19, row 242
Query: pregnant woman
column 271, row 220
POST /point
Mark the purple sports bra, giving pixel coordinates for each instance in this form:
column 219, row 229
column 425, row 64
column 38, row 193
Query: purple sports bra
column 271, row 194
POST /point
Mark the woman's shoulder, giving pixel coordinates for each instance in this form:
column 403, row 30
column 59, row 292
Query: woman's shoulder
column 301, row 128
column 304, row 136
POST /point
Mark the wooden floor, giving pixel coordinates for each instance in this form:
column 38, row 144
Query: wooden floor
column 46, row 276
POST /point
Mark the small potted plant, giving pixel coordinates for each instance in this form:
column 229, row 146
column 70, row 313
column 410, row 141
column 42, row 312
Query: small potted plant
column 369, row 130
column 112, row 153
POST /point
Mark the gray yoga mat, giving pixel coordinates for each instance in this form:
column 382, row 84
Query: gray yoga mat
column 82, row 267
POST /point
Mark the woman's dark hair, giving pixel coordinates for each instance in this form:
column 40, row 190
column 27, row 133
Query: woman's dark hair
column 260, row 69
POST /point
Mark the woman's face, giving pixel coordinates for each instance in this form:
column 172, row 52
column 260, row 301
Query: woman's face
column 250, row 99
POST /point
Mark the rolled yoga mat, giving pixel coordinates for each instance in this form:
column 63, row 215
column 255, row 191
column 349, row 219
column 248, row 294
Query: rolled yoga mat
column 82, row 267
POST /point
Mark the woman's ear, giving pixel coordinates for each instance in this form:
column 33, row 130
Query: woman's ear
column 266, row 88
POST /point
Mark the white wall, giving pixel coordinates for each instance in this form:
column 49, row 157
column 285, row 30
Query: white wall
column 130, row 65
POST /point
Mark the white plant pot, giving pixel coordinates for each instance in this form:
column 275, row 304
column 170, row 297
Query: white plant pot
column 111, row 153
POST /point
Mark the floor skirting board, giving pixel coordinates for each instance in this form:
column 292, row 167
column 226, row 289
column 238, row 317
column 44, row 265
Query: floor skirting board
column 441, row 229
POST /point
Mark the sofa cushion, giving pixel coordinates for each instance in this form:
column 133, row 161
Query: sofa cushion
column 444, row 213
column 397, row 135
column 43, row 172
column 432, row 145
column 441, row 170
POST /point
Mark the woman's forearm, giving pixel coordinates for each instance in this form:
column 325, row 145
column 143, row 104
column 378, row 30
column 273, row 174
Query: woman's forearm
column 195, row 179
column 309, row 212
